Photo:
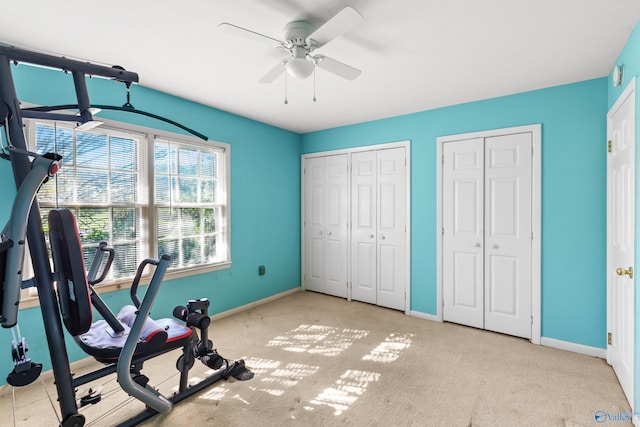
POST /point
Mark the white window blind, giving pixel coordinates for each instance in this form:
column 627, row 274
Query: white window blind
column 190, row 206
column 101, row 181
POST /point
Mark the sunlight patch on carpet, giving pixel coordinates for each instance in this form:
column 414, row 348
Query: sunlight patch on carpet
column 291, row 374
column 275, row 377
column 351, row 385
column 390, row 349
column 216, row 393
column 317, row 339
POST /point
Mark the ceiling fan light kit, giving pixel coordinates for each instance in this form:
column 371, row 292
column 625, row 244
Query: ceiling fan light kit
column 300, row 40
column 299, row 66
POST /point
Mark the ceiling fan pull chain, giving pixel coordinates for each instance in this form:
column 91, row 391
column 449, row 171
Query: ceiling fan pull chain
column 314, row 83
column 286, row 101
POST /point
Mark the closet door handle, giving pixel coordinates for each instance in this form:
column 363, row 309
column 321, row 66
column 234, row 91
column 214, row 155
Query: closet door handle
column 320, row 233
column 329, row 233
column 494, row 247
column 382, row 237
column 371, row 236
column 477, row 245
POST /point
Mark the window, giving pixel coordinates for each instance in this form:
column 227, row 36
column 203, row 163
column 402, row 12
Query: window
column 171, row 198
column 189, row 206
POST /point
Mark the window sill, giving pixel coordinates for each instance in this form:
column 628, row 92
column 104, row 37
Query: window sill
column 33, row 301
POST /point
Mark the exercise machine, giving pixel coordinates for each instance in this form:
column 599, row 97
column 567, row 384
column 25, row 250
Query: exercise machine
column 122, row 341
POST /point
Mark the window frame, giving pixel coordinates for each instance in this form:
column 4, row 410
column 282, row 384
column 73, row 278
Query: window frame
column 148, row 137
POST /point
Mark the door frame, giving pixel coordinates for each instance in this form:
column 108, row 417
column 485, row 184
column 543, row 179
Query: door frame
column 407, row 146
column 536, row 211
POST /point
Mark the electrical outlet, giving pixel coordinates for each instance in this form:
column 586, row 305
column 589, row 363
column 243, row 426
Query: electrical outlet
column 261, row 270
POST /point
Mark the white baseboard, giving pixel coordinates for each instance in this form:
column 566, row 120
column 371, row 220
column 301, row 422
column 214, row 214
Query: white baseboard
column 549, row 342
column 425, row 316
column 636, row 420
column 255, row 304
column 575, row 348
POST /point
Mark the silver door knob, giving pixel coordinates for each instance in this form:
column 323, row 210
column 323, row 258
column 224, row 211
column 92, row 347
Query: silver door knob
column 494, row 246
column 329, row 233
column 382, row 237
column 477, row 245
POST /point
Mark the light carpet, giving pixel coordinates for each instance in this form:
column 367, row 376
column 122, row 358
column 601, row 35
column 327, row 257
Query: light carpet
column 324, row 361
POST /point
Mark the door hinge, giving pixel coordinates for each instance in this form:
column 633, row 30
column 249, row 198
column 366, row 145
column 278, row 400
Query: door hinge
column 609, row 146
column 443, row 231
column 609, row 338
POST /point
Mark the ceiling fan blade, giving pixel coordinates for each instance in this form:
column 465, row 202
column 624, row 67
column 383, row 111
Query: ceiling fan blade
column 244, row 32
column 273, row 73
column 341, row 22
column 336, row 67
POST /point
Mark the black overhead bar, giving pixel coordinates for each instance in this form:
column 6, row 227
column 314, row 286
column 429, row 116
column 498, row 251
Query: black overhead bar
column 65, row 64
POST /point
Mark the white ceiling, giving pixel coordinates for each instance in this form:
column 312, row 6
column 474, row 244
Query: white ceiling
column 414, row 54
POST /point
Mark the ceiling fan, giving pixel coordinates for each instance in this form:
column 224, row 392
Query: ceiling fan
column 300, row 40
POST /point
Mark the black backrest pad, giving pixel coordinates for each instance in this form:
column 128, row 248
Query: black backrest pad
column 73, row 289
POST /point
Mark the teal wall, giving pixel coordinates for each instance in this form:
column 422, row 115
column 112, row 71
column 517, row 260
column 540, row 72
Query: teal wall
column 265, row 201
column 630, row 60
column 573, row 194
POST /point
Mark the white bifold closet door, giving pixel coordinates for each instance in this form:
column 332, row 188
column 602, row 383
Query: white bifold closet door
column 326, row 216
column 487, row 233
column 378, row 229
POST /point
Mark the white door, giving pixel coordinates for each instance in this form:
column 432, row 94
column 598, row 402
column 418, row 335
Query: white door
column 487, row 233
column 326, row 215
column 508, row 237
column 620, row 239
column 314, row 224
column 378, row 234
column 336, row 227
column 364, row 226
column 463, row 234
column 391, row 228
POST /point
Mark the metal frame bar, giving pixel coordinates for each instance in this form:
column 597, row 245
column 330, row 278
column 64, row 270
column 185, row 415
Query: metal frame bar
column 16, row 230
column 65, row 64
